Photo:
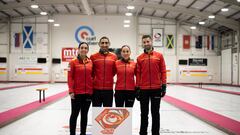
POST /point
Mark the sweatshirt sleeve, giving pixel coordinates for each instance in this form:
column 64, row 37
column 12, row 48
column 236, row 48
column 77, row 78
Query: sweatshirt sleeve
column 114, row 67
column 71, row 77
column 93, row 69
column 138, row 73
column 163, row 70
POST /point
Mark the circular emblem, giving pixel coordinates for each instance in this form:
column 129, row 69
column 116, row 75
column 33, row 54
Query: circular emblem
column 82, row 33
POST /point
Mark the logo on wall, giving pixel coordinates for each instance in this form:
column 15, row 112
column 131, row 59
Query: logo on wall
column 157, row 37
column 68, row 54
column 27, row 36
column 85, row 34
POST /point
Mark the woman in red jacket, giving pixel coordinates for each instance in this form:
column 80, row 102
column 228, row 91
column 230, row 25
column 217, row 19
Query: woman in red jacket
column 80, row 88
column 125, row 86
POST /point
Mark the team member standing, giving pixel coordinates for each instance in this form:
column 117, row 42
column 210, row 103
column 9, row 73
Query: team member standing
column 151, row 78
column 103, row 71
column 80, row 85
column 125, row 86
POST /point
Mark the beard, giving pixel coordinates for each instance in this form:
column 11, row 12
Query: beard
column 148, row 48
column 104, row 51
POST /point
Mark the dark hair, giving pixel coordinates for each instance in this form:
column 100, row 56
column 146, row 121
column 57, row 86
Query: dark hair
column 82, row 44
column 146, row 36
column 104, row 37
column 126, row 46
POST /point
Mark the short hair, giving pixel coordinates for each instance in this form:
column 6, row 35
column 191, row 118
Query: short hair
column 82, row 44
column 104, row 37
column 146, row 36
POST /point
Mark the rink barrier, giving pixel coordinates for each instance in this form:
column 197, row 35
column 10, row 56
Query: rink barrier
column 19, row 112
column 24, row 85
column 215, row 90
column 221, row 122
column 211, row 89
column 202, row 83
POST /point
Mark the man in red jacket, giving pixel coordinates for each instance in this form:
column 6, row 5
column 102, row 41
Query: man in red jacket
column 103, row 72
column 151, row 79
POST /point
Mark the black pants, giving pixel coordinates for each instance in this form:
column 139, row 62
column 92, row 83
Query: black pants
column 81, row 103
column 124, row 98
column 155, row 98
column 102, row 98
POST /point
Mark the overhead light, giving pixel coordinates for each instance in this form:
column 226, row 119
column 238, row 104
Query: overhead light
column 56, row 24
column 34, row 6
column 126, row 25
column 126, row 21
column 130, row 7
column 211, row 16
column 193, row 27
column 50, row 20
column 224, row 9
column 238, row 0
column 202, row 23
column 43, row 13
column 128, row 14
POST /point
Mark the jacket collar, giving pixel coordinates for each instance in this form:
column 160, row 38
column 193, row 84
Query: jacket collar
column 103, row 52
column 125, row 61
column 83, row 60
column 150, row 52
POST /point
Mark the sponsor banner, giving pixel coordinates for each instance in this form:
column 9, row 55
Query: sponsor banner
column 69, row 53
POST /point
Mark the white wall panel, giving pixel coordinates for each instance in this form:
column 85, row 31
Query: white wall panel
column 24, row 67
column 235, row 68
column 226, row 66
column 110, row 26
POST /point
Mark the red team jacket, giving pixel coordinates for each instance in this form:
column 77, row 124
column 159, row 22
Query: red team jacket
column 103, row 70
column 125, row 75
column 151, row 71
column 80, row 76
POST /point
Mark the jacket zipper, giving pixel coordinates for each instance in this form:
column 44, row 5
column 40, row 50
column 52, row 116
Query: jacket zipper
column 149, row 71
column 125, row 74
column 85, row 78
column 104, row 71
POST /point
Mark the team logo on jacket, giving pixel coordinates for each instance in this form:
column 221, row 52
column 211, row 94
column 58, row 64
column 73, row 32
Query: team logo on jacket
column 85, row 34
